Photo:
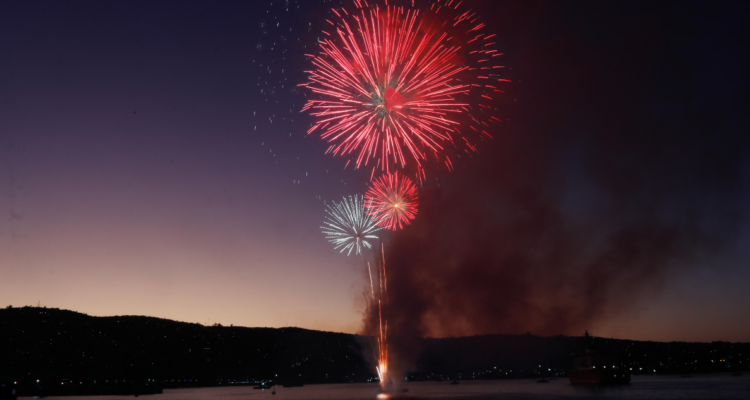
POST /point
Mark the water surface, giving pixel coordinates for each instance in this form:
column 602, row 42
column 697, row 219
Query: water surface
column 715, row 387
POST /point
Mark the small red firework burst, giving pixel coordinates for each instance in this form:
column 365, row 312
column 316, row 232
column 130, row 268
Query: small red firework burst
column 392, row 201
column 398, row 84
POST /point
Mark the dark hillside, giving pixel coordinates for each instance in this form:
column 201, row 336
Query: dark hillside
column 64, row 346
column 57, row 344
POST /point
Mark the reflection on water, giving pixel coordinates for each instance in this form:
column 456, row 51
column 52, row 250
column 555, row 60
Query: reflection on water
column 718, row 387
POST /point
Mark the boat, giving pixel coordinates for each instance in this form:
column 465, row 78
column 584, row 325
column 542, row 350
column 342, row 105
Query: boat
column 263, row 385
column 542, row 381
column 593, row 368
column 455, row 383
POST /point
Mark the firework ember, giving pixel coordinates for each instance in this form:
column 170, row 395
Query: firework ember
column 348, row 226
column 398, row 84
column 391, row 201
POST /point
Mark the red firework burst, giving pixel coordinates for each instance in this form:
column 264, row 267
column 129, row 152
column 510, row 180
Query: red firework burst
column 392, row 201
column 397, row 85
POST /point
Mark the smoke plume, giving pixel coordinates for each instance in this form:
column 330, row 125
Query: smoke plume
column 616, row 166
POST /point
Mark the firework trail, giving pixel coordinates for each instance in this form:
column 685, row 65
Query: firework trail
column 382, row 338
column 349, row 226
column 392, row 201
column 398, row 84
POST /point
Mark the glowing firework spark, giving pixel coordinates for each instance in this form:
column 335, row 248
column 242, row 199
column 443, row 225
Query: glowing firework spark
column 392, row 201
column 390, row 79
column 349, row 226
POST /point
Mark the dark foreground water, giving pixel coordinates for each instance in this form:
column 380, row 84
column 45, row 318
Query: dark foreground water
column 713, row 386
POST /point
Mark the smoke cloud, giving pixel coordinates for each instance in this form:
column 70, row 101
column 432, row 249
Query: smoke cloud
column 617, row 165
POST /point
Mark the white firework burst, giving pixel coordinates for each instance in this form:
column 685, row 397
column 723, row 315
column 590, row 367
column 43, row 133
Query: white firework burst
column 348, row 226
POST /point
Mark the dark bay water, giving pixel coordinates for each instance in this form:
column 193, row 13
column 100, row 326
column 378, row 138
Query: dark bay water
column 642, row 387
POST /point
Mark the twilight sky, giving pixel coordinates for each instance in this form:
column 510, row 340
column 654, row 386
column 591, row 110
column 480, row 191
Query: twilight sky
column 153, row 161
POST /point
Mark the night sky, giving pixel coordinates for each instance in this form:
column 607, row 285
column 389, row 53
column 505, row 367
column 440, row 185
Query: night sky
column 154, row 161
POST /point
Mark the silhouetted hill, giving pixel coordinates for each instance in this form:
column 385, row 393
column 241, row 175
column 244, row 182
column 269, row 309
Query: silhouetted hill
column 499, row 356
column 64, row 346
column 55, row 344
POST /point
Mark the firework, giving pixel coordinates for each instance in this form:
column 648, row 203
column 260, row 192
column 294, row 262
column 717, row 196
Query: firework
column 348, row 226
column 392, row 201
column 398, row 85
